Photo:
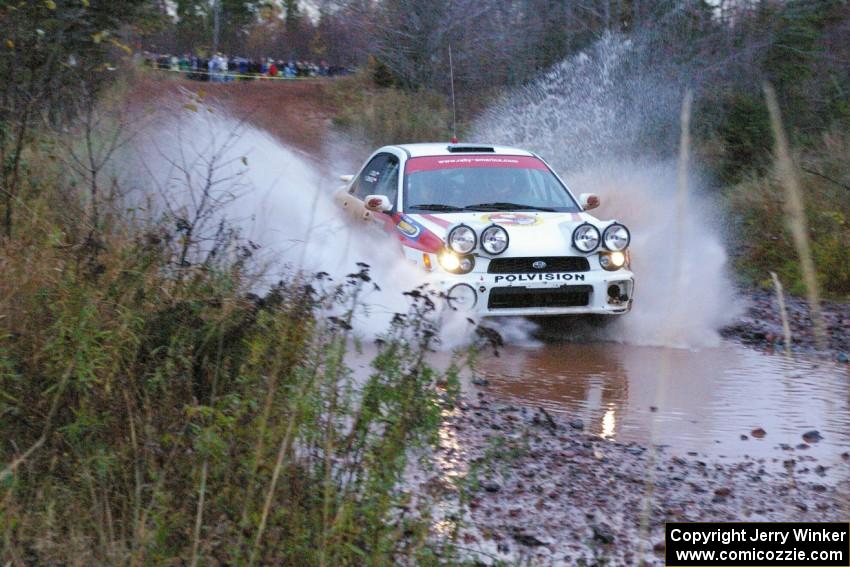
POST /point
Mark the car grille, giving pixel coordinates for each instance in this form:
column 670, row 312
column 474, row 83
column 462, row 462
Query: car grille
column 519, row 297
column 525, row 265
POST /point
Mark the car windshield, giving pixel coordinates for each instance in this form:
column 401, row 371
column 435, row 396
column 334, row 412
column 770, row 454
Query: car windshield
column 483, row 183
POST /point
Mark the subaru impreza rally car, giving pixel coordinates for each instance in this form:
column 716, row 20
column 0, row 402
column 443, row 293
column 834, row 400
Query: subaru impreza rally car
column 499, row 230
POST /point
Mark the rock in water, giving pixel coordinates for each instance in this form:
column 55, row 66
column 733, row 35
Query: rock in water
column 480, row 381
column 812, row 436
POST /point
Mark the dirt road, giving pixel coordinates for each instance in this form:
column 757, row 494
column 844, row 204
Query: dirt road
column 298, row 112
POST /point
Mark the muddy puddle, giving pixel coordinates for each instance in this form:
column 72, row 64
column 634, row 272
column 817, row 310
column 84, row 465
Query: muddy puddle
column 707, row 401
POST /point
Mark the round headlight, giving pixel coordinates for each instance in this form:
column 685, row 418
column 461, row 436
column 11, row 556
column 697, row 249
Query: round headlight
column 586, row 237
column 494, row 239
column 462, row 297
column 462, row 239
column 616, row 237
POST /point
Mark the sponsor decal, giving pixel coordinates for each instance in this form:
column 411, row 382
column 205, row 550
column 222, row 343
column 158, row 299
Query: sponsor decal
column 539, row 278
column 372, row 176
column 430, row 163
column 409, row 227
column 507, row 161
column 513, row 219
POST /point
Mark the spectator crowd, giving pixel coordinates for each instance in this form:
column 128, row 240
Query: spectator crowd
column 222, row 68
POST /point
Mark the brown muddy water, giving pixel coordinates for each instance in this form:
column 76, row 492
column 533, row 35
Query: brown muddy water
column 706, row 401
column 703, row 402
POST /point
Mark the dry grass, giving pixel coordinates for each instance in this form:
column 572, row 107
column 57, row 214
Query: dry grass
column 795, row 209
column 783, row 313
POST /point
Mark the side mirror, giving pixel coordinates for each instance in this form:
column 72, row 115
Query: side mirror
column 588, row 201
column 378, row 203
column 346, row 178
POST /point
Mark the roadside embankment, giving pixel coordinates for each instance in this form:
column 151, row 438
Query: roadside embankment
column 761, row 325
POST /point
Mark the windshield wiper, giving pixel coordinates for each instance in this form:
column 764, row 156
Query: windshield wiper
column 501, row 206
column 436, row 207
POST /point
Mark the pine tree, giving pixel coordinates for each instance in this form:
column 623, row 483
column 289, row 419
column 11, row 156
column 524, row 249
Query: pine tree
column 293, row 15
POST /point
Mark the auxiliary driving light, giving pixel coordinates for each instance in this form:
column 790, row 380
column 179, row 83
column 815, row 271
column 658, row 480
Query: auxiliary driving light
column 616, row 237
column 462, row 239
column 586, row 237
column 494, row 239
column 462, row 297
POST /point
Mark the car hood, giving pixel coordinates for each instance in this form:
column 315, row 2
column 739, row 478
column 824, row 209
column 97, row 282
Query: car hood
column 530, row 233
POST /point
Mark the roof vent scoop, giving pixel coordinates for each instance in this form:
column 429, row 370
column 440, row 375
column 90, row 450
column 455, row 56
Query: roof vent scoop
column 470, row 149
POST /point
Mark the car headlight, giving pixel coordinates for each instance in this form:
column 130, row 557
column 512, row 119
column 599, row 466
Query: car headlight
column 586, row 237
column 462, row 239
column 494, row 239
column 462, row 297
column 455, row 264
column 616, row 237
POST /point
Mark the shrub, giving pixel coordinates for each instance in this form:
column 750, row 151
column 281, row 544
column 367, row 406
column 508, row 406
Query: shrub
column 763, row 241
column 155, row 412
column 390, row 115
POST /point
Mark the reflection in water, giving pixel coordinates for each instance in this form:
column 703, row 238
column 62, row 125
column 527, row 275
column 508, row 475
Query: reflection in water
column 711, row 397
column 453, row 466
column 450, row 458
column 609, row 424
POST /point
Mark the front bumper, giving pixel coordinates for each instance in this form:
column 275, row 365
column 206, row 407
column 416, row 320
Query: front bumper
column 592, row 292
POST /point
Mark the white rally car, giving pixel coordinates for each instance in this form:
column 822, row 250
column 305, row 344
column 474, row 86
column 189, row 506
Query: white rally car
column 497, row 227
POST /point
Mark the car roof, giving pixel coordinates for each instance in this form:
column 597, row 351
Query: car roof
column 448, row 149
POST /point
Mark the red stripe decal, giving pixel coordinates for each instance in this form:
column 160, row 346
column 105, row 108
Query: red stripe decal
column 427, row 242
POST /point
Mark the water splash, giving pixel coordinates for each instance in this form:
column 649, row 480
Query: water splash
column 607, row 120
column 279, row 199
